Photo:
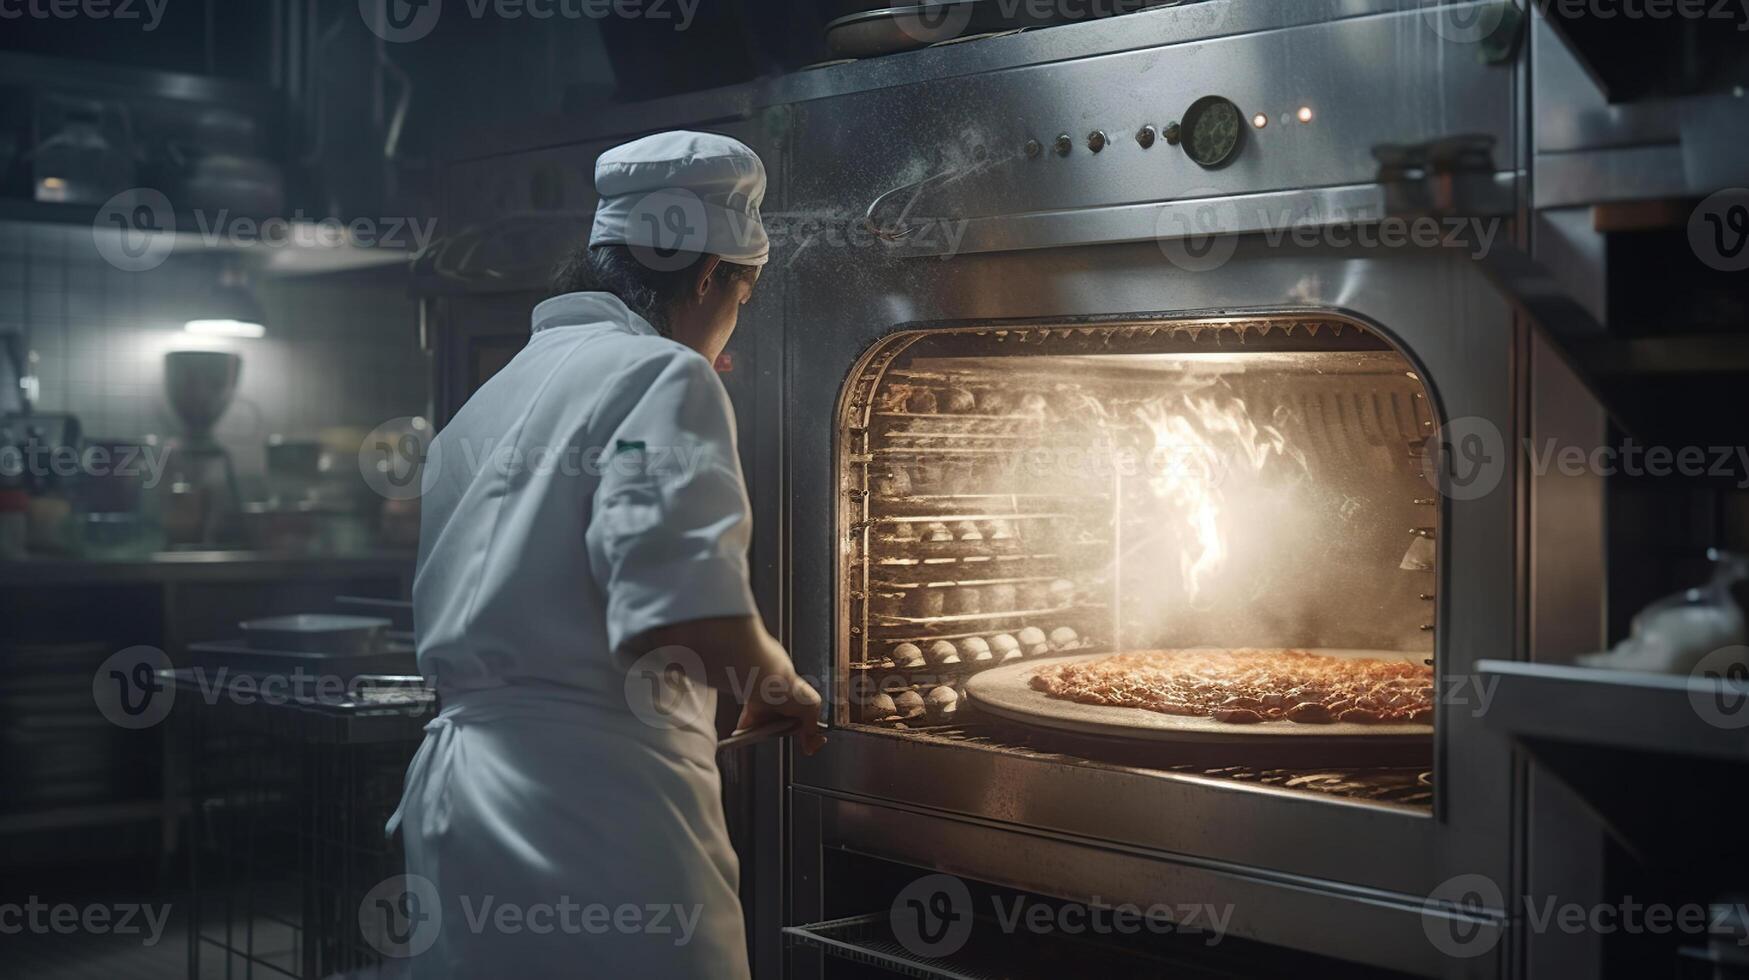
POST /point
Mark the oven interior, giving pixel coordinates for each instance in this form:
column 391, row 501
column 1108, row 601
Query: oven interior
column 1028, row 491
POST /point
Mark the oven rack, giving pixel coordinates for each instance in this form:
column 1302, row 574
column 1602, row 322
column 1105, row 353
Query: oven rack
column 961, row 518
column 931, row 675
column 914, row 561
column 912, row 452
column 991, row 436
column 884, row 621
column 955, row 583
column 958, row 417
column 875, row 661
column 920, row 498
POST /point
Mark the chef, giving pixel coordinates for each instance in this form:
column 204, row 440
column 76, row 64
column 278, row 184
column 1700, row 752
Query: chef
column 581, row 599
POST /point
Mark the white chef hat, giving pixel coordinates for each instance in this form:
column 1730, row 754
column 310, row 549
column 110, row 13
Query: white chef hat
column 683, row 191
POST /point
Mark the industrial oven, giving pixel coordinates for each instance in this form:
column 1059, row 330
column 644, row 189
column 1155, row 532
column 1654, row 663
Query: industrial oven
column 1074, row 343
column 1075, row 393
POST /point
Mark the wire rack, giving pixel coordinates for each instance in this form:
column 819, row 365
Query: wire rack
column 288, row 831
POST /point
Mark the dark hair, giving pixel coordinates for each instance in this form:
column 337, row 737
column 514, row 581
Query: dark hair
column 649, row 293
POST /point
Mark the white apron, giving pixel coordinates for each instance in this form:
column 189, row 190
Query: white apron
column 569, row 823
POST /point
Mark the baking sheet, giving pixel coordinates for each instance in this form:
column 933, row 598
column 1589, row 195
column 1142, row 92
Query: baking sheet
column 1006, row 693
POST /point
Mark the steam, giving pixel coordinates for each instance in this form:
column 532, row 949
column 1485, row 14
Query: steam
column 1198, row 439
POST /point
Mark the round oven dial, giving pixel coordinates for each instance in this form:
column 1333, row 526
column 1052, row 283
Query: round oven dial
column 1213, row 130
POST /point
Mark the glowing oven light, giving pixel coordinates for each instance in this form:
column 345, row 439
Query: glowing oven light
column 1198, row 441
column 1305, row 114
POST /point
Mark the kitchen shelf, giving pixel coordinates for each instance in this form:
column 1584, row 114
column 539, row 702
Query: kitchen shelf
column 88, row 815
column 1628, row 743
column 197, row 566
column 1613, row 709
column 48, row 222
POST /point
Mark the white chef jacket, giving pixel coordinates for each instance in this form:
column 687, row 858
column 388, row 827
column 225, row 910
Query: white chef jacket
column 587, row 493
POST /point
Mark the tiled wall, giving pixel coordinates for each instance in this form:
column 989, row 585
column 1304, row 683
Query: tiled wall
column 342, row 350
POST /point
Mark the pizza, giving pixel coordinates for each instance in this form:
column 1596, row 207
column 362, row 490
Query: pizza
column 1247, row 687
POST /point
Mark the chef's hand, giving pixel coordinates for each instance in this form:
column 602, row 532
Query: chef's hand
column 792, row 697
column 741, row 658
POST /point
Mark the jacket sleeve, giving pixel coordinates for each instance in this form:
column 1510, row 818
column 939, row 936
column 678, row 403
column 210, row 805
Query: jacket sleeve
column 669, row 525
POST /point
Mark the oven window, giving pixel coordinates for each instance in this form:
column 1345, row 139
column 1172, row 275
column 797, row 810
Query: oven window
column 1238, row 507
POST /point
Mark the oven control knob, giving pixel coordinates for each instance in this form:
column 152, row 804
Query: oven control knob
column 1213, row 130
column 1096, row 140
column 1063, row 145
column 1145, row 137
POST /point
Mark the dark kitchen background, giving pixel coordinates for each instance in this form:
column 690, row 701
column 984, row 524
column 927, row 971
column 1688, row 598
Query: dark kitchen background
column 249, row 502
column 208, row 432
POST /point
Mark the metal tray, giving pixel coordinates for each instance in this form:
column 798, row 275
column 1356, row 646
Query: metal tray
column 1005, row 692
column 316, row 633
column 240, row 657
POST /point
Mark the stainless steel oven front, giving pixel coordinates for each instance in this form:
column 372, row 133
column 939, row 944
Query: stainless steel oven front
column 995, row 282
